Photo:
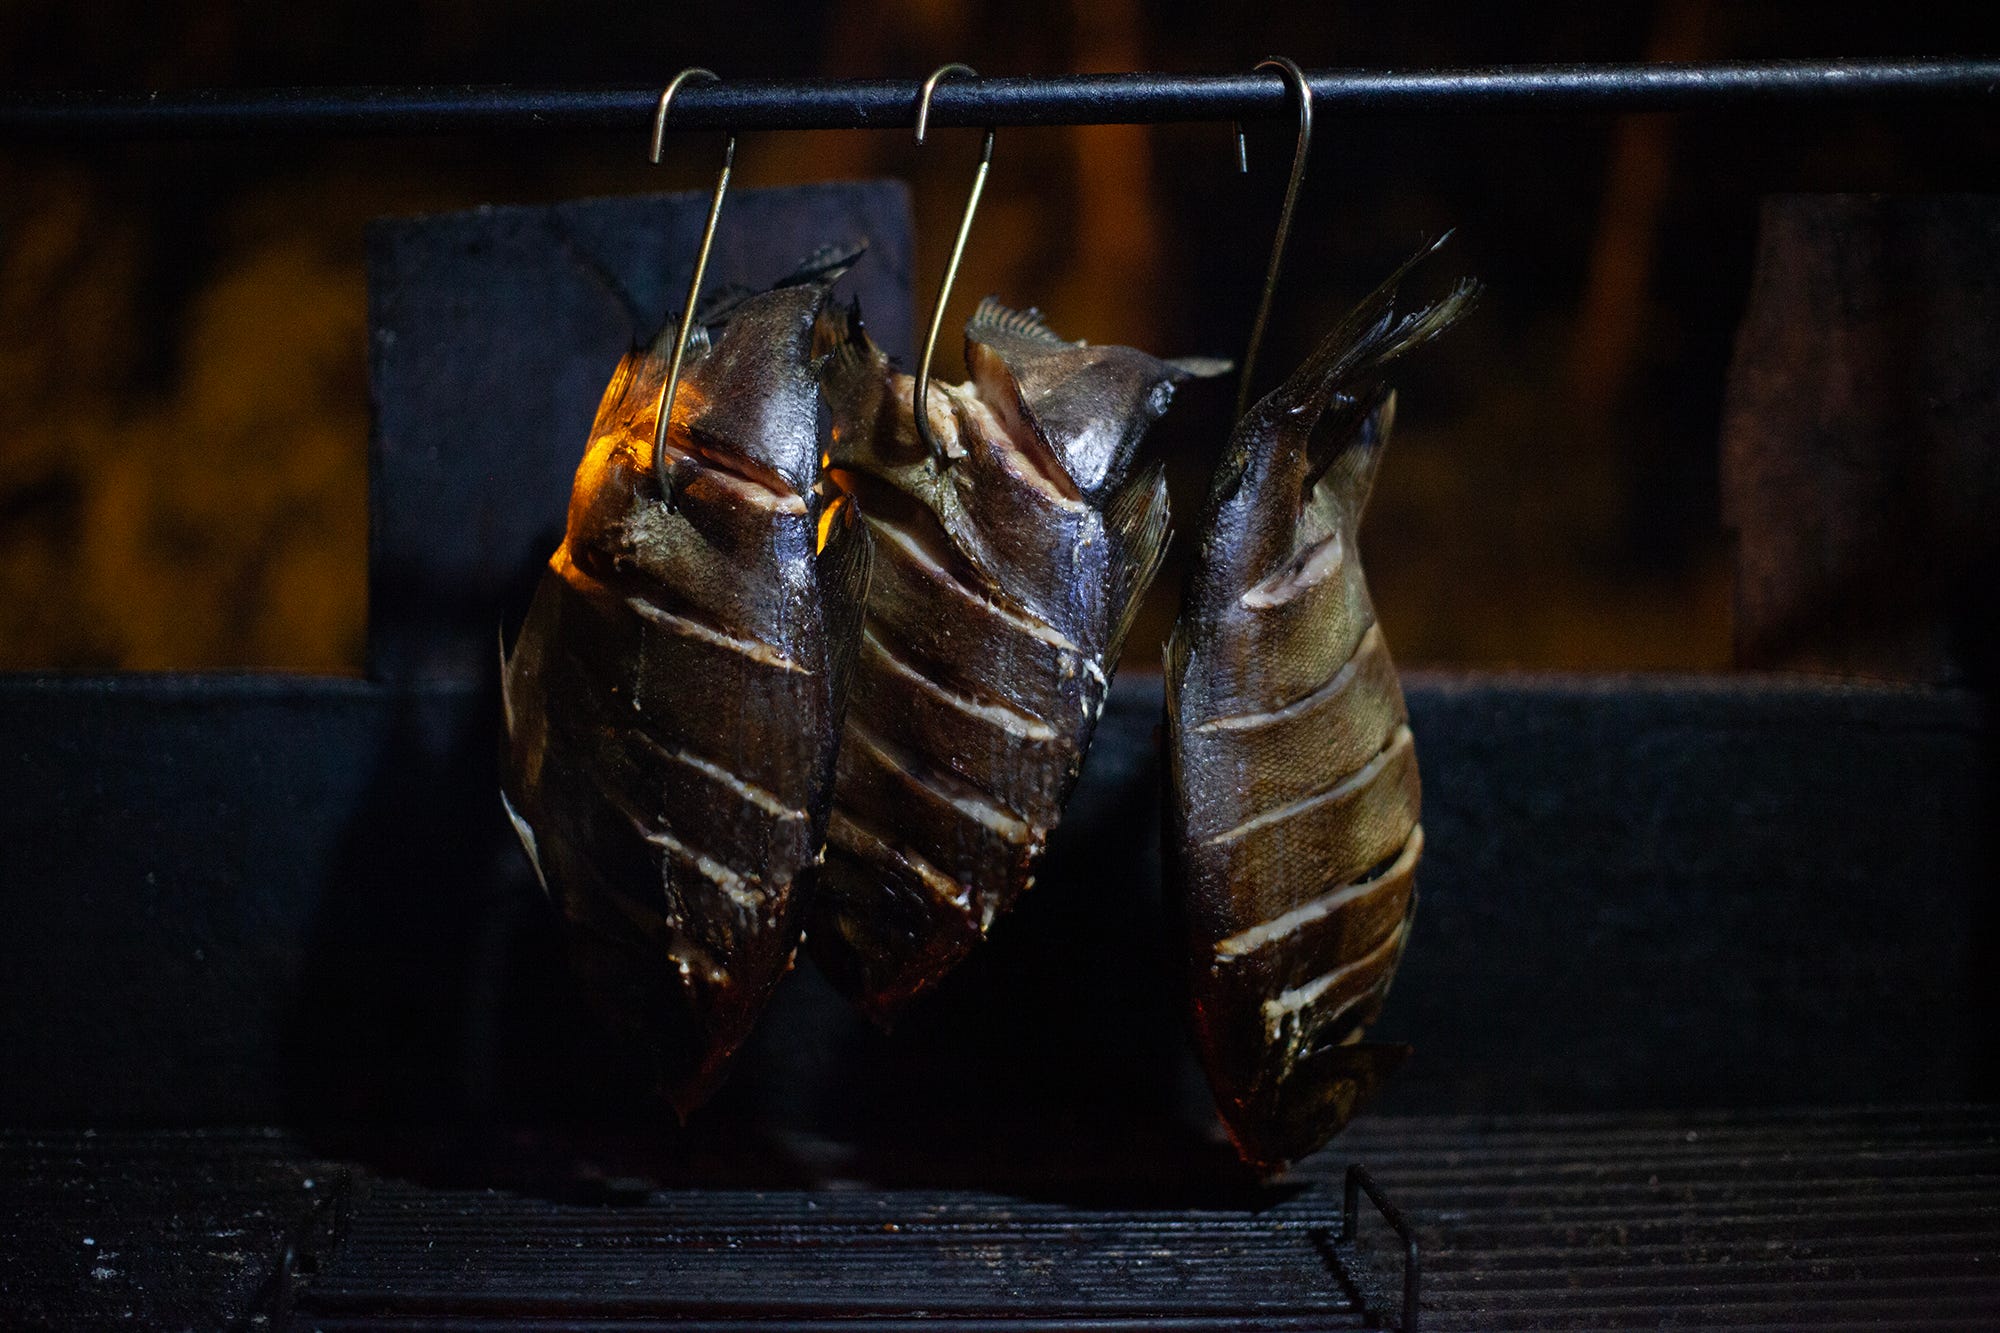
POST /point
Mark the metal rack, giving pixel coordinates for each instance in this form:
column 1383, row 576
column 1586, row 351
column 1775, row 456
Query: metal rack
column 1131, row 98
column 1138, row 98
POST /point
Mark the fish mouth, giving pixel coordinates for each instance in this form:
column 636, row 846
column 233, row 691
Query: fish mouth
column 997, row 391
column 758, row 482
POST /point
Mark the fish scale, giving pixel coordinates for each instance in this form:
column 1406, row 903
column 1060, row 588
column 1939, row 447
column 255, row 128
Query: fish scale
column 1292, row 835
column 1007, row 573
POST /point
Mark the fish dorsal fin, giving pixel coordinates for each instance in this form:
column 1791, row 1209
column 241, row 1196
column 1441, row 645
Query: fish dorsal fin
column 1140, row 522
column 826, row 264
column 1087, row 406
column 994, row 320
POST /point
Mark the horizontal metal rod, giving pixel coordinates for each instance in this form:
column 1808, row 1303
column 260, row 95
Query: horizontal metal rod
column 1069, row 100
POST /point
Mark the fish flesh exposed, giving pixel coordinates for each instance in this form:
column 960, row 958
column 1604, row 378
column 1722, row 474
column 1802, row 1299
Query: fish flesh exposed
column 1007, row 572
column 1291, row 831
column 673, row 703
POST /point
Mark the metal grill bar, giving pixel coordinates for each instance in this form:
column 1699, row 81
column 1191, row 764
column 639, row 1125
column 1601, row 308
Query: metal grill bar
column 1358, row 1182
column 1069, row 100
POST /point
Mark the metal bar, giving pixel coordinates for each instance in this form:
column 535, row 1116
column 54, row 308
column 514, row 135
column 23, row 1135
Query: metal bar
column 1358, row 1181
column 1069, row 100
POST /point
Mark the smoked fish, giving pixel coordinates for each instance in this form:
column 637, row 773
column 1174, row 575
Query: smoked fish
column 1007, row 571
column 673, row 702
column 1292, row 831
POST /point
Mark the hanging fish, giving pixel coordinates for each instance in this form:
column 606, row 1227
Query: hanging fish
column 1292, row 831
column 673, row 703
column 1008, row 566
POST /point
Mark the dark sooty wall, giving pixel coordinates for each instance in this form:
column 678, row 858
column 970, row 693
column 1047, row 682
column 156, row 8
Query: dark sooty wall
column 183, row 327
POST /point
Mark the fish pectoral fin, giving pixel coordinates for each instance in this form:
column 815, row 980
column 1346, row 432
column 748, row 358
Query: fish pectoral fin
column 1140, row 521
column 1334, row 1082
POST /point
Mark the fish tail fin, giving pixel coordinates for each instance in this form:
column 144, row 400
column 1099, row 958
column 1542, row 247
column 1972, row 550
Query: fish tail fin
column 1342, row 385
column 826, row 264
column 840, row 338
column 823, row 266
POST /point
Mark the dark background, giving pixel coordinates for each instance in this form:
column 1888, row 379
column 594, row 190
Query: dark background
column 183, row 417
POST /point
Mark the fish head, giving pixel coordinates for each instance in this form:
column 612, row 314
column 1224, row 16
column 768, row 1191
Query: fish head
column 750, row 404
column 747, row 404
column 615, row 489
column 1083, row 408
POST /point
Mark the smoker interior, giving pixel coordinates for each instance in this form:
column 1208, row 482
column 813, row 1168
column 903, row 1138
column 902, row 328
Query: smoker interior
column 1681, row 941
column 1825, row 1218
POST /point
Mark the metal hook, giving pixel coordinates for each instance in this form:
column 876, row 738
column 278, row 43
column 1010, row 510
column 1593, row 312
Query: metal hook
column 666, row 409
column 922, row 398
column 1297, row 78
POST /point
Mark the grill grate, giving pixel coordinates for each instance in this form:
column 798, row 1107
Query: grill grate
column 1828, row 1219
column 414, row 1257
column 1824, row 1219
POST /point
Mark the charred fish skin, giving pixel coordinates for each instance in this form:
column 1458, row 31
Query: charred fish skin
column 1006, row 576
column 1292, row 825
column 674, row 699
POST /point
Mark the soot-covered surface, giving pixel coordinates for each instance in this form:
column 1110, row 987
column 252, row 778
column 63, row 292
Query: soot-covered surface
column 1828, row 1218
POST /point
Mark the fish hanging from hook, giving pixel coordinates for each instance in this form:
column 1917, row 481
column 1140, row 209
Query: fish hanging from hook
column 1015, row 532
column 1292, row 834
column 674, row 700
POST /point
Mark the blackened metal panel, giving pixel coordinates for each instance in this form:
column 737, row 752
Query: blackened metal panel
column 222, row 893
column 253, row 900
column 493, row 333
column 1685, row 892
